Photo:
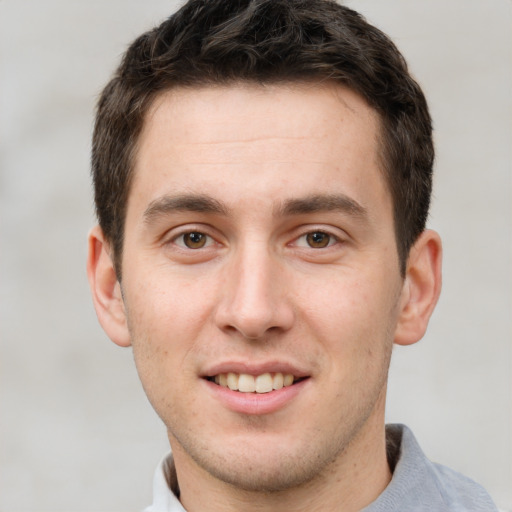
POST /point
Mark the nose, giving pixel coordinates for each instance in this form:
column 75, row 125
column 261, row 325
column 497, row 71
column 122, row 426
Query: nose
column 255, row 298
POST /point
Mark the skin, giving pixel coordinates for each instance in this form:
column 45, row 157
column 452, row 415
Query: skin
column 257, row 171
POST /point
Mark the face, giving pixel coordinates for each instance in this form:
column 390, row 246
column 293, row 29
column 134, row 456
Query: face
column 259, row 254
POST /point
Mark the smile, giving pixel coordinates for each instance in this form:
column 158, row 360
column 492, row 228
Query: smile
column 245, row 383
column 254, row 391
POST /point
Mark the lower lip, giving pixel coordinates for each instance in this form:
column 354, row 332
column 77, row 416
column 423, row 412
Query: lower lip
column 256, row 403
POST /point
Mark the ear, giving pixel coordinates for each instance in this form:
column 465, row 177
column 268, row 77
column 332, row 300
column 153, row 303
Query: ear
column 106, row 290
column 421, row 288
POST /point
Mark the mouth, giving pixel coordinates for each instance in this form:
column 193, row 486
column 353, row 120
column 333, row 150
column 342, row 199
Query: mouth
column 246, row 383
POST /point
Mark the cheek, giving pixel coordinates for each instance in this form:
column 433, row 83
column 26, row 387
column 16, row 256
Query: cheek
column 167, row 300
column 165, row 318
column 340, row 304
column 353, row 319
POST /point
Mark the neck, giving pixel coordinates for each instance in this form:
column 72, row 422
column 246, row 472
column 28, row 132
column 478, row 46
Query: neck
column 349, row 483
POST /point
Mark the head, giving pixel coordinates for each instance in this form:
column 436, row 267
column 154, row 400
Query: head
column 262, row 174
column 266, row 42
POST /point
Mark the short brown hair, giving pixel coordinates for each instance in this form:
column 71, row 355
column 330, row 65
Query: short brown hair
column 211, row 42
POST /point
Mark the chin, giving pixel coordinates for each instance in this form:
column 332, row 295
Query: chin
column 268, row 467
column 267, row 478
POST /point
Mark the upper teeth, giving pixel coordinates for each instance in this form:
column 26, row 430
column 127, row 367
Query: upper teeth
column 254, row 384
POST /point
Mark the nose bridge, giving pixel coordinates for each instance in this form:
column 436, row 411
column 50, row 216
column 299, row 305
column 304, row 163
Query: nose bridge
column 254, row 300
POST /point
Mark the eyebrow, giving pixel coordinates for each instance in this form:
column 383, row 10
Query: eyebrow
column 323, row 203
column 201, row 203
column 183, row 203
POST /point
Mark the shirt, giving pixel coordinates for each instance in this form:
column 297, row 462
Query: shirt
column 417, row 485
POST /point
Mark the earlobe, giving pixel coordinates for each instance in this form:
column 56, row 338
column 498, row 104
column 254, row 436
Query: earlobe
column 106, row 290
column 421, row 288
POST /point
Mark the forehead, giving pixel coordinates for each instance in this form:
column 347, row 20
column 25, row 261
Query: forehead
column 257, row 135
column 191, row 111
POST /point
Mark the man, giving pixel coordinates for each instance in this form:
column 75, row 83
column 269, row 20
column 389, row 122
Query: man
column 262, row 176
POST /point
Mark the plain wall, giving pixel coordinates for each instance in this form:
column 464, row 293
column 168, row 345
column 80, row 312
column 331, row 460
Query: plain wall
column 76, row 431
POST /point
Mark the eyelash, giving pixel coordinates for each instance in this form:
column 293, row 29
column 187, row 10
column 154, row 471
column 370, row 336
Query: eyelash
column 332, row 239
column 207, row 240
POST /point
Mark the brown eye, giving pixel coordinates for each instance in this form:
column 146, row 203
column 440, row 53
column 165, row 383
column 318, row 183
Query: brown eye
column 318, row 240
column 194, row 240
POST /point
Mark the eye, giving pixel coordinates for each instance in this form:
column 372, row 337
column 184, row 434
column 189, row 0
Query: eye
column 193, row 240
column 316, row 240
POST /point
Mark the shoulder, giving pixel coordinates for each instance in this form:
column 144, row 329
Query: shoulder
column 419, row 485
column 460, row 492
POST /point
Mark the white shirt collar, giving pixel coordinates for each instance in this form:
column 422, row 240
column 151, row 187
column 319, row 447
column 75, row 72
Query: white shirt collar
column 165, row 488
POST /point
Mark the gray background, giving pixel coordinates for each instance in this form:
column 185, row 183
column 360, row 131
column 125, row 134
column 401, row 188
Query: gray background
column 76, row 431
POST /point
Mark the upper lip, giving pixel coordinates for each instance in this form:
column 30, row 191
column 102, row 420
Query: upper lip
column 255, row 368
